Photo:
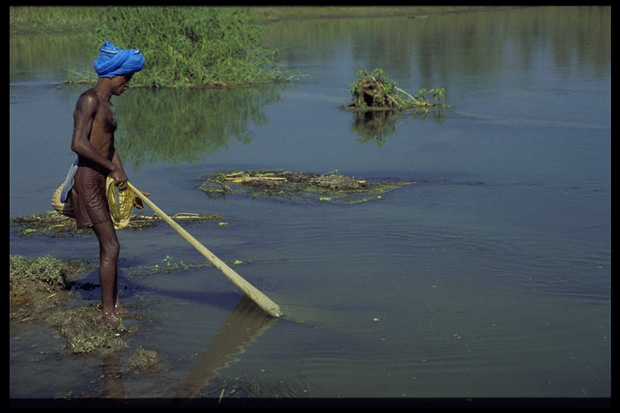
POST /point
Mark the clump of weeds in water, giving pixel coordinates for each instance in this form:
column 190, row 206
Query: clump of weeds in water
column 44, row 274
column 378, row 102
column 377, row 91
column 39, row 293
column 53, row 224
column 296, row 187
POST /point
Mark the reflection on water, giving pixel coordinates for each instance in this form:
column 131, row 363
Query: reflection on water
column 244, row 325
column 377, row 125
column 438, row 48
column 176, row 126
column 34, row 56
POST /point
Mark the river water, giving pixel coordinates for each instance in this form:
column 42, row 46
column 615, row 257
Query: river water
column 488, row 276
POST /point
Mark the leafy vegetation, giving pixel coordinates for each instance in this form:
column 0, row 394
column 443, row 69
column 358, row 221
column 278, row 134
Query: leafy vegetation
column 378, row 102
column 39, row 293
column 44, row 274
column 377, row 91
column 184, row 47
column 192, row 46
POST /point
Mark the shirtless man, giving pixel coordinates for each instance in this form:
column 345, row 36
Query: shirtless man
column 93, row 141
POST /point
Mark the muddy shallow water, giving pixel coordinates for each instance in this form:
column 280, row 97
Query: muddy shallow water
column 487, row 277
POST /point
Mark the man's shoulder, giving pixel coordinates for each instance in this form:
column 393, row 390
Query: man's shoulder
column 89, row 94
column 89, row 98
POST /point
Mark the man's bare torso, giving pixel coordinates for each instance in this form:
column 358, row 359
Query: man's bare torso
column 103, row 127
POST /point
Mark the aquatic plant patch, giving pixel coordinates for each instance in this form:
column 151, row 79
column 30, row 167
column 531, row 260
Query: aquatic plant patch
column 296, row 187
column 53, row 224
column 40, row 293
column 376, row 91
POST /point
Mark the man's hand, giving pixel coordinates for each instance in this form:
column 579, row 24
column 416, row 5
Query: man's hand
column 138, row 202
column 119, row 177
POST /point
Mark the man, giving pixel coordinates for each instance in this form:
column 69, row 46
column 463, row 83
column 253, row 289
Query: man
column 93, row 141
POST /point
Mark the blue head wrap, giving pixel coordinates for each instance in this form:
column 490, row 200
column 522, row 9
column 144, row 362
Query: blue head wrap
column 113, row 61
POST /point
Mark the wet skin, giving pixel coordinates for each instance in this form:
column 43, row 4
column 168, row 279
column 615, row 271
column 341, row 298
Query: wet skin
column 93, row 139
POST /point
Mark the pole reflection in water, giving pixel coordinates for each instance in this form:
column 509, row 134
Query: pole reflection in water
column 245, row 324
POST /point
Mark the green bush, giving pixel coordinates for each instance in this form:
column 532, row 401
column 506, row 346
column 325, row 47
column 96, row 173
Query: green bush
column 46, row 273
column 192, row 46
column 377, row 90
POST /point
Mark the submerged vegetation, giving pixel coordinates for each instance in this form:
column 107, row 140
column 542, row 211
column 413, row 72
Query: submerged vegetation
column 53, row 224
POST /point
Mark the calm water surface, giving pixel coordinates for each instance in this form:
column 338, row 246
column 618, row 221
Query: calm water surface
column 489, row 276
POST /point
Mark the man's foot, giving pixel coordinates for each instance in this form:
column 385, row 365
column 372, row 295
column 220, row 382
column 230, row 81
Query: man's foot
column 111, row 319
column 120, row 310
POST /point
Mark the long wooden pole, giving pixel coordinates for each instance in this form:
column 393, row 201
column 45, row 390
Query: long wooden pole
column 252, row 292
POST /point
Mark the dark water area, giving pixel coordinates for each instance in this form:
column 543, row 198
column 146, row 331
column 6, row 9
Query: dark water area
column 488, row 276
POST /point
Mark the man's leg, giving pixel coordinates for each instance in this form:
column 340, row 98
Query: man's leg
column 109, row 249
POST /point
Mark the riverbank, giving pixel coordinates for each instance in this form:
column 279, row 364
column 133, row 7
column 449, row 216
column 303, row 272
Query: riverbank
column 266, row 15
column 36, row 19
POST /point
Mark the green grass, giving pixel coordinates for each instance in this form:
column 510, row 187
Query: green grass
column 47, row 19
column 264, row 15
column 30, row 19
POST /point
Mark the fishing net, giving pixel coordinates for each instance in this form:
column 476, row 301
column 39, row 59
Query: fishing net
column 121, row 202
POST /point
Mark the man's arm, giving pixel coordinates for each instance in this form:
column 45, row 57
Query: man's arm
column 117, row 160
column 119, row 174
